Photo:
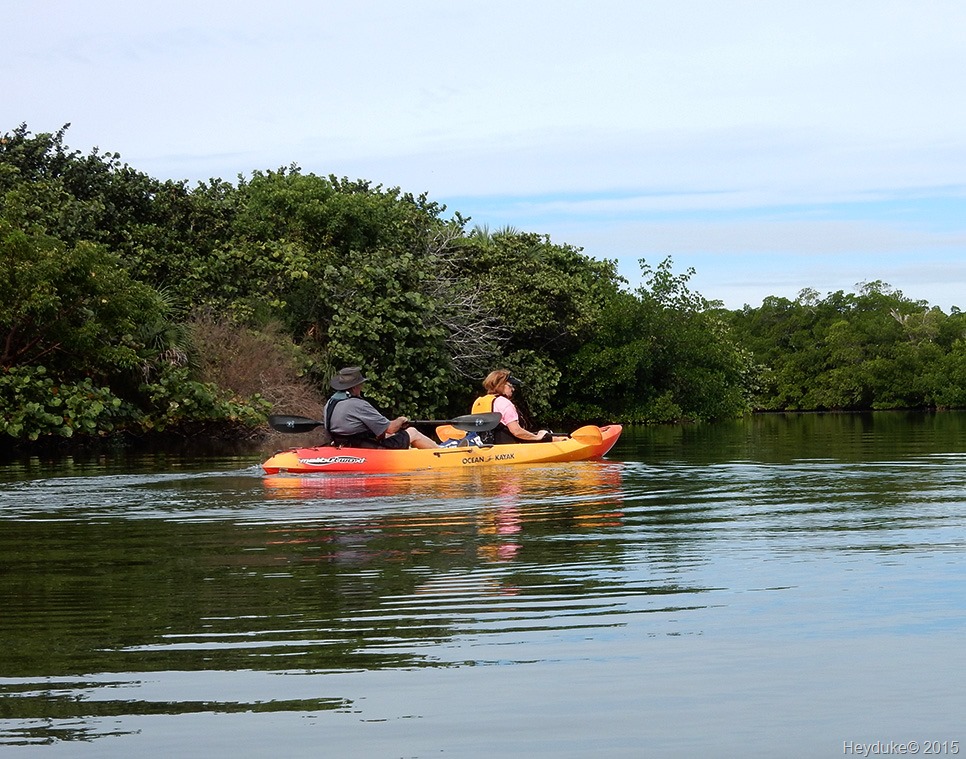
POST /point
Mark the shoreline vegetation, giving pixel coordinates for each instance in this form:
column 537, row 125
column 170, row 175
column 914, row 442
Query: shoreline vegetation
column 138, row 309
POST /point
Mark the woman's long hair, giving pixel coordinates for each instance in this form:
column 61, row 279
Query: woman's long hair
column 495, row 381
column 493, row 384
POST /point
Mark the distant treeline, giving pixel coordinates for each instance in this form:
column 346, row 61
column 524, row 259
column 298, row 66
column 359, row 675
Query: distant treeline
column 133, row 305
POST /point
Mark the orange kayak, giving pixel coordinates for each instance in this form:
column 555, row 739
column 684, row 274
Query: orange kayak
column 588, row 442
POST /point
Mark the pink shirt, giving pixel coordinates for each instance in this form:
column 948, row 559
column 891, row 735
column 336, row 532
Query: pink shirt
column 508, row 412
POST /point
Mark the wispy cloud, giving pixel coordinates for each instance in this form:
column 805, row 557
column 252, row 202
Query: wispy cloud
column 812, row 141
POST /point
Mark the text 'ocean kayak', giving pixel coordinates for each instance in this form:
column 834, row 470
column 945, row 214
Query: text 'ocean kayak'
column 588, row 442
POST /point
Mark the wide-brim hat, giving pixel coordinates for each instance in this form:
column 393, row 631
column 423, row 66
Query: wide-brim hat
column 346, row 378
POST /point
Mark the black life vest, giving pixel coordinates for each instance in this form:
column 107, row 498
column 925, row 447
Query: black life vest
column 360, row 440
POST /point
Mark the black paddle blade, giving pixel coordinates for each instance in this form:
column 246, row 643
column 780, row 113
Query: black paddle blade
column 284, row 423
column 477, row 422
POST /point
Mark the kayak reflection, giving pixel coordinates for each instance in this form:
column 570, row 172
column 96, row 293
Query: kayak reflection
column 454, row 513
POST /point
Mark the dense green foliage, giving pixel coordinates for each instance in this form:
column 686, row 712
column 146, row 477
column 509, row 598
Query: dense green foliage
column 116, row 284
column 874, row 349
column 85, row 345
column 659, row 354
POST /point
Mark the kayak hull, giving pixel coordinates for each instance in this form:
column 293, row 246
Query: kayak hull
column 585, row 443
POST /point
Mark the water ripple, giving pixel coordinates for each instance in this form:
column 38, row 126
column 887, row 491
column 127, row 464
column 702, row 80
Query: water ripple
column 208, row 592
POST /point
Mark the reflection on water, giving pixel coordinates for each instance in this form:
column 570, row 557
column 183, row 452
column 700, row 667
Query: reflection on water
column 689, row 575
column 232, row 571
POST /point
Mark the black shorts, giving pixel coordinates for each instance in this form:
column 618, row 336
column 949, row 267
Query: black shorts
column 398, row 441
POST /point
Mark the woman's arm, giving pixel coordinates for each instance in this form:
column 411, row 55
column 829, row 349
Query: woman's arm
column 521, row 434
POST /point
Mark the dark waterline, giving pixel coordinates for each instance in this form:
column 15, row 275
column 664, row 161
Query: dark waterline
column 774, row 586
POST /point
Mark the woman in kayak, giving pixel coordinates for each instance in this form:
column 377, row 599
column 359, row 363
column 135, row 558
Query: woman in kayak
column 351, row 420
column 500, row 386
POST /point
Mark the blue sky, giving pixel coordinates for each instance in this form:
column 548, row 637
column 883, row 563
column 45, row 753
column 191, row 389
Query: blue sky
column 770, row 146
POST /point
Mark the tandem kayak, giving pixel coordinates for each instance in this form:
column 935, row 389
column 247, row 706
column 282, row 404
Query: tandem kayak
column 588, row 442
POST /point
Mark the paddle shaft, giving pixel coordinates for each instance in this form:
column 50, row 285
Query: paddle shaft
column 468, row 423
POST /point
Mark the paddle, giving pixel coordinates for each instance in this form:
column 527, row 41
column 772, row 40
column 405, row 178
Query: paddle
column 467, row 423
column 589, row 435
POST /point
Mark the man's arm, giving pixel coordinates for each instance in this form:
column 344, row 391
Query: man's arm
column 395, row 425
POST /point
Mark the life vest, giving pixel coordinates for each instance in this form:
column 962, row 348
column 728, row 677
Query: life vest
column 483, row 404
column 499, row 435
column 359, row 440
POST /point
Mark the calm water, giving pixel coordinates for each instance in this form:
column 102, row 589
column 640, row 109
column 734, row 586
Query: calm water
column 782, row 586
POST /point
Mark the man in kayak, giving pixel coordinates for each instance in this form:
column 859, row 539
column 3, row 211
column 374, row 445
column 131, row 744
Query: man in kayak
column 351, row 420
column 500, row 386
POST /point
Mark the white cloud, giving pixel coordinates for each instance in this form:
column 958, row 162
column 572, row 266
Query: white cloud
column 614, row 125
